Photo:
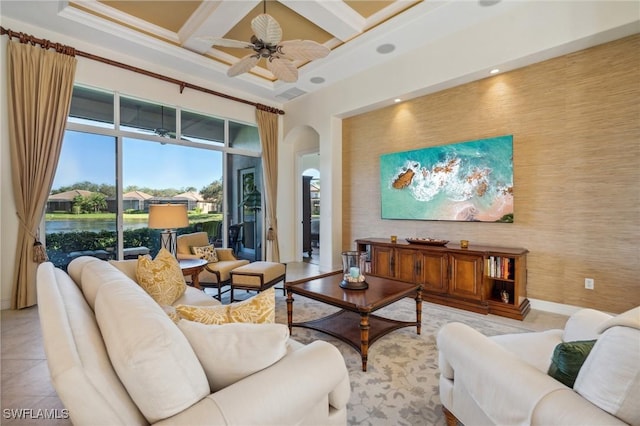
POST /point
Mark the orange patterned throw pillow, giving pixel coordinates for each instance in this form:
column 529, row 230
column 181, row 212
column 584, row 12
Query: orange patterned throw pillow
column 161, row 277
column 258, row 309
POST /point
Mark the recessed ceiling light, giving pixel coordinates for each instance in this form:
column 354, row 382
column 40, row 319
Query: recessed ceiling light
column 317, row 80
column 385, row 48
column 396, row 100
column 494, row 71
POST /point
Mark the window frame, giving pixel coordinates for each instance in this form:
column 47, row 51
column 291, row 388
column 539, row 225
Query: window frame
column 119, row 135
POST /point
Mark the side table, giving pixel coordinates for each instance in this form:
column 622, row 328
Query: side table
column 193, row 267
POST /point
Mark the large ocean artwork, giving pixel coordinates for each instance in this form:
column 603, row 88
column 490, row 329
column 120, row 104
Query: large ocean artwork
column 468, row 181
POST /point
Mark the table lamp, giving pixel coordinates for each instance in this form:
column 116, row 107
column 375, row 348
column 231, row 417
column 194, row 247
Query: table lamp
column 168, row 217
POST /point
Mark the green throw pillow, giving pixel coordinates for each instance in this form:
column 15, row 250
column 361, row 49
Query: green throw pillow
column 567, row 359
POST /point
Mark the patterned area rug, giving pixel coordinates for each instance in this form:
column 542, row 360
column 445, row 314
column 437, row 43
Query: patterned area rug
column 400, row 386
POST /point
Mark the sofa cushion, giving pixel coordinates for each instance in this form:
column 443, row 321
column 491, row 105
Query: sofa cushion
column 98, row 274
column 152, row 357
column 80, row 369
column 161, row 277
column 77, row 265
column 257, row 309
column 128, row 267
column 231, row 352
column 207, row 253
column 567, row 360
column 535, row 348
column 191, row 295
column 610, row 377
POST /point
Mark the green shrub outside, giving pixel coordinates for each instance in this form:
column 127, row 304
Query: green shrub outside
column 60, row 244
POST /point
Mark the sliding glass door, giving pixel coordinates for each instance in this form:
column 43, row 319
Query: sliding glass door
column 121, row 154
column 156, row 173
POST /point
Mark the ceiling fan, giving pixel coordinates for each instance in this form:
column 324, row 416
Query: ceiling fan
column 267, row 43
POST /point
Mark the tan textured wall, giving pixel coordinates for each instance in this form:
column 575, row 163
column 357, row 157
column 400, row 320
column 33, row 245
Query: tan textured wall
column 576, row 127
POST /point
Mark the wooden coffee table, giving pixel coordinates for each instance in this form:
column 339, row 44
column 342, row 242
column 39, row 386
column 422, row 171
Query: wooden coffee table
column 354, row 324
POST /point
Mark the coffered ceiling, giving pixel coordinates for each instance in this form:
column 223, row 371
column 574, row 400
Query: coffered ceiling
column 185, row 23
column 361, row 34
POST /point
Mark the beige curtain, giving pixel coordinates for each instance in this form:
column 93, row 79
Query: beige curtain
column 40, row 84
column 268, row 128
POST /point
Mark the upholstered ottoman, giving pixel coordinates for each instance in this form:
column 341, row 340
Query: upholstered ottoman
column 257, row 276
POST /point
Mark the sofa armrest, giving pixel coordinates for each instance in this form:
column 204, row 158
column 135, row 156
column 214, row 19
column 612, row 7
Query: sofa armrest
column 584, row 325
column 506, row 388
column 225, row 254
column 278, row 395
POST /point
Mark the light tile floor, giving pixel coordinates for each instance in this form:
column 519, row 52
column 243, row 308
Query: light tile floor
column 25, row 376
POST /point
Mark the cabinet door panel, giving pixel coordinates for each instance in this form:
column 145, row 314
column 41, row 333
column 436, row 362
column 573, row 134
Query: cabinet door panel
column 382, row 260
column 433, row 272
column 466, row 276
column 406, row 265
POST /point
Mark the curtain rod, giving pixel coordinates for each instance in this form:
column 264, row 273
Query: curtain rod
column 67, row 50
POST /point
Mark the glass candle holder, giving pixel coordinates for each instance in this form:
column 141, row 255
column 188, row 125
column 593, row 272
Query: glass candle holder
column 353, row 267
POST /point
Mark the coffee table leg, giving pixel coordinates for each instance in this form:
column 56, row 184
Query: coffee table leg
column 419, row 310
column 364, row 339
column 289, row 309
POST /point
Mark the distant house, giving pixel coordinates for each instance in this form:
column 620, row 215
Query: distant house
column 165, row 200
column 194, row 200
column 63, row 202
column 135, row 200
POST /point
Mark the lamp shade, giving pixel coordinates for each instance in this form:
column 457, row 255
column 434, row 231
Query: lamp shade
column 168, row 216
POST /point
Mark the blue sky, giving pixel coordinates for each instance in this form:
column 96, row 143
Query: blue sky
column 90, row 157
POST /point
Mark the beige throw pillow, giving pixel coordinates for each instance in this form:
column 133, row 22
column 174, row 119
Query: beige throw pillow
column 228, row 353
column 207, row 253
column 161, row 277
column 258, row 309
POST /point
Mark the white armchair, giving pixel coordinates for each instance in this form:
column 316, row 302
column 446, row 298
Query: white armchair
column 504, row 380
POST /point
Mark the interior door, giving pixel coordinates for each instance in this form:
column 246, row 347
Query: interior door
column 306, row 214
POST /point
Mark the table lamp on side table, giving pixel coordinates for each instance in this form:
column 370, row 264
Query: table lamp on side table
column 168, row 217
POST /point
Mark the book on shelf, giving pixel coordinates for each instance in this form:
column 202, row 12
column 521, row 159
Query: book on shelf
column 499, row 267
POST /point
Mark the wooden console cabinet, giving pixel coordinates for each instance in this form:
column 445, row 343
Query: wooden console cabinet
column 475, row 278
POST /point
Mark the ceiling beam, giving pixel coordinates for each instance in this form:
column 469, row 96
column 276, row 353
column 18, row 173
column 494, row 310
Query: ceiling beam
column 214, row 19
column 335, row 17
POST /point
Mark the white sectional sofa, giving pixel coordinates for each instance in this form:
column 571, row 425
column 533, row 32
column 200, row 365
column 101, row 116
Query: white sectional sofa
column 116, row 358
column 504, row 380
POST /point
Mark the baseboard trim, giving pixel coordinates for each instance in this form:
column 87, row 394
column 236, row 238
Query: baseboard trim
column 556, row 308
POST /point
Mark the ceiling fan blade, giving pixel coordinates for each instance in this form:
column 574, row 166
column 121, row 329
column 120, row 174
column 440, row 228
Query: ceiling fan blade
column 283, row 69
column 225, row 42
column 302, row 50
column 266, row 29
column 243, row 65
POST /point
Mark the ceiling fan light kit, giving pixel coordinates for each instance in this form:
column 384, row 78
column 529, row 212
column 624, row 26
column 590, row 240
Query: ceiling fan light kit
column 267, row 43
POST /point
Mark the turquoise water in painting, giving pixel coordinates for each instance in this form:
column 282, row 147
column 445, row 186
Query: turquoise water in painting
column 469, row 181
